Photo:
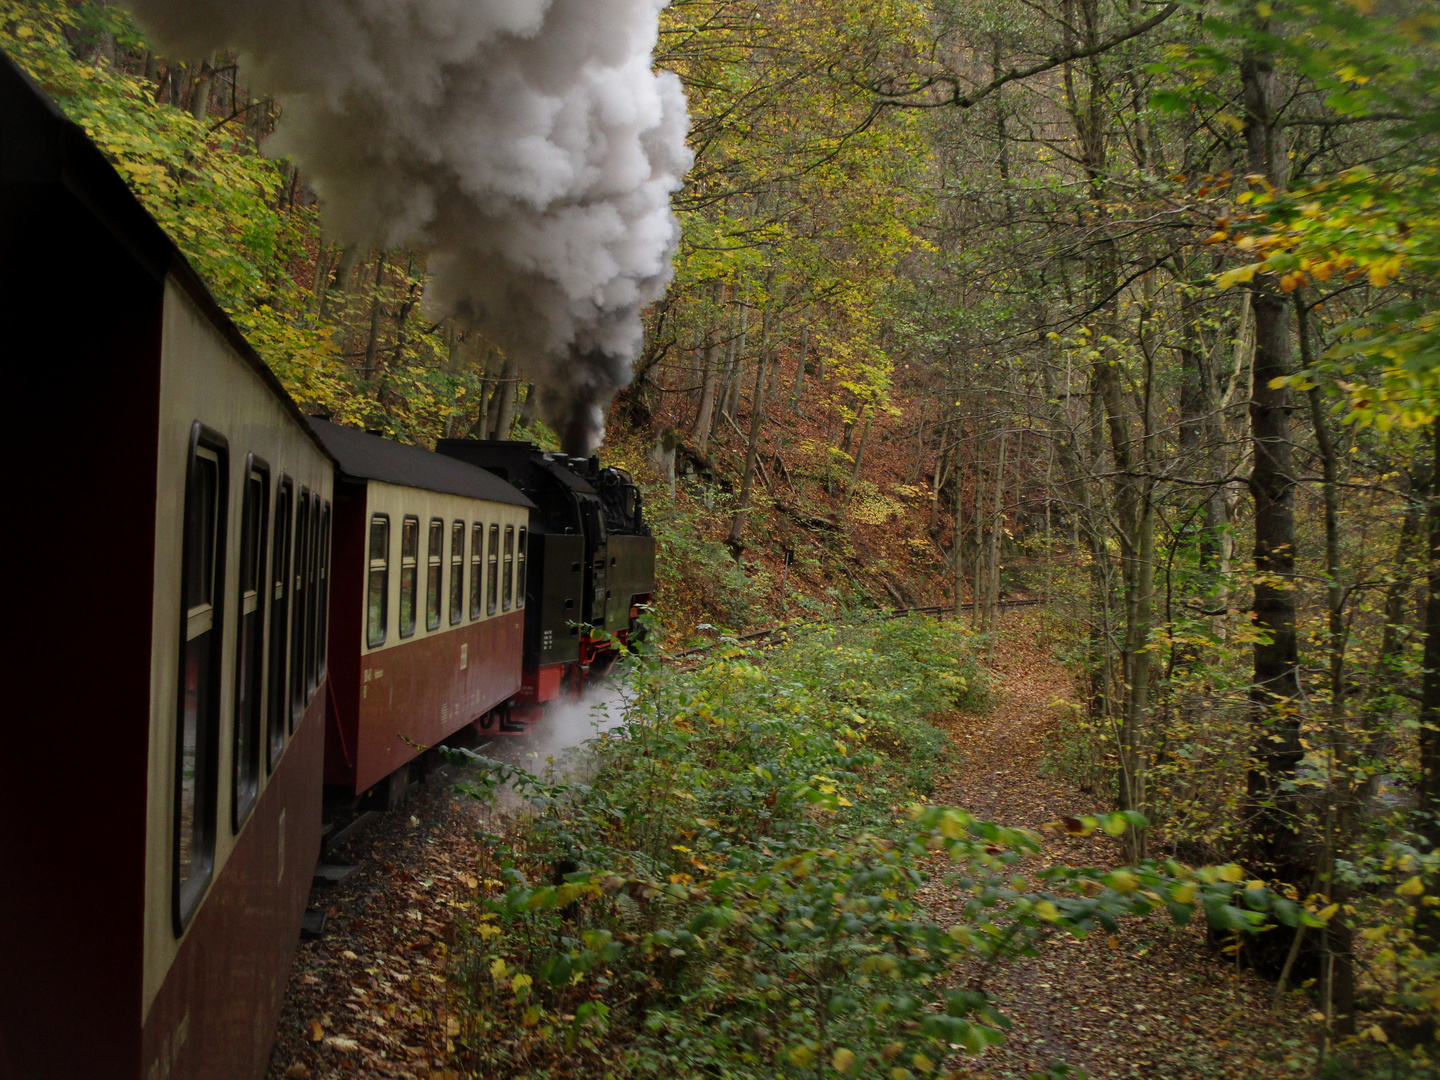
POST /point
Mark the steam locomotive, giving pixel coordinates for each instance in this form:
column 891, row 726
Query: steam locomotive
column 222, row 610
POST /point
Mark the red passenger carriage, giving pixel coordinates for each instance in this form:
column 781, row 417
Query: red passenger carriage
column 426, row 616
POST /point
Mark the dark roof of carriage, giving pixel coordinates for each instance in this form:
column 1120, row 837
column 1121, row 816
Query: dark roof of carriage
column 370, row 457
column 41, row 145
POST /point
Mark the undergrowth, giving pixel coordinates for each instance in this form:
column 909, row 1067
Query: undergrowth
column 735, row 894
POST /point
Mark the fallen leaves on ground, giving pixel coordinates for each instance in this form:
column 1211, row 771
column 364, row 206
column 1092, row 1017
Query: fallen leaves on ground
column 368, row 1000
column 1152, row 1000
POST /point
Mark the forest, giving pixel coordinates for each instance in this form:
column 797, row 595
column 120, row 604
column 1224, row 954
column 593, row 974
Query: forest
column 1132, row 308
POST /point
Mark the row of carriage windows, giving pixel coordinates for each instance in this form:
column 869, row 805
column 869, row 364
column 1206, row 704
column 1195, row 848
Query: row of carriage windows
column 492, row 576
column 281, row 593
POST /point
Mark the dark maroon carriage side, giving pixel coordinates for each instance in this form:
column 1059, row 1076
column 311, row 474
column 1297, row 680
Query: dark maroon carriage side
column 113, row 963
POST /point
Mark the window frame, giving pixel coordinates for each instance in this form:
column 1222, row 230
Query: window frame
column 413, row 565
column 477, row 570
column 244, row 796
column 322, row 659
column 312, row 605
column 299, row 598
column 522, row 540
column 371, row 642
column 492, row 571
column 434, row 572
column 277, row 631
column 507, row 574
column 456, row 584
column 186, row 895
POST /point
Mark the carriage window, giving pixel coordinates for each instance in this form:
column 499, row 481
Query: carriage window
column 409, row 550
column 520, row 568
column 312, row 595
column 434, row 552
column 509, row 576
column 322, row 630
column 457, row 572
column 477, row 580
column 299, row 604
column 202, row 579
column 279, row 616
column 492, row 571
column 250, row 640
column 377, row 587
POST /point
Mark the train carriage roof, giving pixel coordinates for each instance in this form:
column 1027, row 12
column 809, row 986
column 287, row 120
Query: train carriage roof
column 363, row 456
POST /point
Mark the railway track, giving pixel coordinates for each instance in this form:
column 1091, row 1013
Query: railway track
column 893, row 613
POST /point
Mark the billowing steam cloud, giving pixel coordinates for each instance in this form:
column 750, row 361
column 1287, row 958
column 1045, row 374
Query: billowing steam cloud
column 526, row 144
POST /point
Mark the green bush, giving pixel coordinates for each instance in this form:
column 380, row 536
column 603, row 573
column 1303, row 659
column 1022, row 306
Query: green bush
column 735, row 895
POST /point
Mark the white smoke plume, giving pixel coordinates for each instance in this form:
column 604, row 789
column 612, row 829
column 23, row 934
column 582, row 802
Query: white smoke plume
column 527, row 145
column 557, row 744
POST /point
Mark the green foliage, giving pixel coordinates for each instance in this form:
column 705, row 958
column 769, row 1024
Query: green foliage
column 800, row 183
column 737, row 891
column 1371, row 225
column 694, row 569
column 235, row 216
column 214, row 196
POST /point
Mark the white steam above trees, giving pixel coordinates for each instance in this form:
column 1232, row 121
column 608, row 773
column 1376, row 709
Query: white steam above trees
column 527, row 145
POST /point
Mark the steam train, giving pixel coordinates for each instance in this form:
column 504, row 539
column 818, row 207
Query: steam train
column 222, row 611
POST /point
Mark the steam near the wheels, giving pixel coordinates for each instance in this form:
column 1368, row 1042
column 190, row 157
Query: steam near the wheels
column 527, row 145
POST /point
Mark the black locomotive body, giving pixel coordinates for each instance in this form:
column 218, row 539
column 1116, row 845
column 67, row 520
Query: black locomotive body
column 592, row 559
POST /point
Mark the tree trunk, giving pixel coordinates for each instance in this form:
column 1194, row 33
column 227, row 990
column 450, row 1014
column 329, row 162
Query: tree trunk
column 531, row 407
column 481, row 428
column 710, row 378
column 775, row 309
column 859, row 456
column 1427, row 817
column 991, row 614
column 1198, row 435
column 1275, row 690
column 1396, row 632
column 200, row 93
column 411, row 298
column 340, row 280
column 506, row 418
column 752, row 450
column 959, row 514
column 375, row 312
column 736, row 348
column 1430, row 685
column 800, row 367
column 937, row 484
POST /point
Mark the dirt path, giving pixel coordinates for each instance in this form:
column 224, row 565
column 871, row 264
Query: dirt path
column 1151, row 1001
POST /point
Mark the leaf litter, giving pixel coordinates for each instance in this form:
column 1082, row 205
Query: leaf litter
column 370, row 998
column 1151, row 1000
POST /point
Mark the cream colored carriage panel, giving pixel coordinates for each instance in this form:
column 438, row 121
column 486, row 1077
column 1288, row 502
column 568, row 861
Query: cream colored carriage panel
column 398, row 503
column 204, row 379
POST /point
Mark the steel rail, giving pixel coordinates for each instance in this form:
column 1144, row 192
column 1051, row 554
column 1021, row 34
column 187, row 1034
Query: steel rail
column 894, row 613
